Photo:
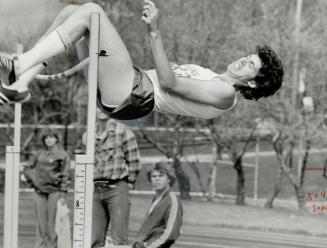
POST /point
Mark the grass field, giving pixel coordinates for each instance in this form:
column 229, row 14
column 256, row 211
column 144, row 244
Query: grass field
column 268, row 169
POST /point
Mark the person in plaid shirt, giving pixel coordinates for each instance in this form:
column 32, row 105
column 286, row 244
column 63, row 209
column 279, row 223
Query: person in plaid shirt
column 117, row 163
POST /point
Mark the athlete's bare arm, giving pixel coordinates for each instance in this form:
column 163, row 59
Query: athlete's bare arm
column 164, row 72
column 215, row 93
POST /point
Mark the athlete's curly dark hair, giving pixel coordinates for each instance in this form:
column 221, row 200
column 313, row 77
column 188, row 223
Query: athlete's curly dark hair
column 269, row 78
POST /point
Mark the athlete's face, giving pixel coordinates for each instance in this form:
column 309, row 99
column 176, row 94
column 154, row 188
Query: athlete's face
column 159, row 180
column 245, row 68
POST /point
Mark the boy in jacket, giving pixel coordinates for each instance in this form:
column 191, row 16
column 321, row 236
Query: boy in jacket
column 162, row 225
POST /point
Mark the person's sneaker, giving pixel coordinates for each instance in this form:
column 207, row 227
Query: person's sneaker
column 9, row 63
column 8, row 96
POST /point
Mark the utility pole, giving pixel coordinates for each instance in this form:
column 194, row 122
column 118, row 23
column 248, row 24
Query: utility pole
column 297, row 51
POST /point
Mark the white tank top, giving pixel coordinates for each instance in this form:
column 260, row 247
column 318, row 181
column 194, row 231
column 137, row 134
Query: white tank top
column 166, row 102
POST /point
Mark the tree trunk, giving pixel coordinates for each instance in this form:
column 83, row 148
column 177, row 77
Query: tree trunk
column 195, row 169
column 71, row 82
column 81, row 118
column 212, row 180
column 182, row 179
column 2, row 180
column 276, row 190
column 26, row 148
column 300, row 196
column 66, row 132
column 240, row 184
column 304, row 162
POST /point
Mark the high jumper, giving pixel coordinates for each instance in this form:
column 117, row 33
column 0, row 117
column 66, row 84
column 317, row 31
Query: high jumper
column 127, row 92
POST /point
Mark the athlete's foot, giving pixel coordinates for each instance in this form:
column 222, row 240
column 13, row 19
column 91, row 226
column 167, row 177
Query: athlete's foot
column 9, row 95
column 10, row 64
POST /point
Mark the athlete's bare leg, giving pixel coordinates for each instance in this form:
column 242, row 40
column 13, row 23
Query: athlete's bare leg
column 116, row 73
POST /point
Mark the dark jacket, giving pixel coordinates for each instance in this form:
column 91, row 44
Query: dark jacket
column 49, row 171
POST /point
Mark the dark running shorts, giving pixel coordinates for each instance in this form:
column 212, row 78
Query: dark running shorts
column 138, row 104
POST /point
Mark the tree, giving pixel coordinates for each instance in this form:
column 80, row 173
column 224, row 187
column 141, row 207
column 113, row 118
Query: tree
column 292, row 124
column 171, row 143
column 235, row 134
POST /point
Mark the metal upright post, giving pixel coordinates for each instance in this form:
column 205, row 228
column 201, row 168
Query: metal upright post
column 83, row 196
column 12, row 181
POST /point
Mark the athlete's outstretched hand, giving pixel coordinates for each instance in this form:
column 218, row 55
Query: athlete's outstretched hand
column 150, row 15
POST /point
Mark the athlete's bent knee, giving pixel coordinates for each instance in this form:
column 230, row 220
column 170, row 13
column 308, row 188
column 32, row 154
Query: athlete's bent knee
column 70, row 8
column 83, row 15
column 93, row 7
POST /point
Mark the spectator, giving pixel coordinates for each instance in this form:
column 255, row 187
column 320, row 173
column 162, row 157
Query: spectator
column 117, row 163
column 162, row 225
column 48, row 174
